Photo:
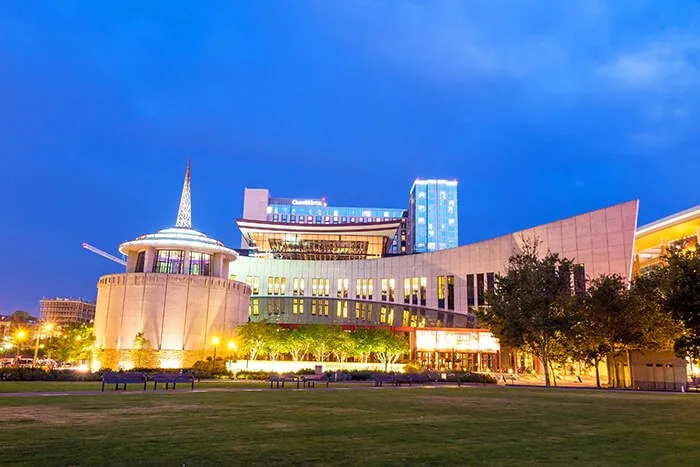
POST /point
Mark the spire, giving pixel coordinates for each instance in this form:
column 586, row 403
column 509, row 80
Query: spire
column 184, row 214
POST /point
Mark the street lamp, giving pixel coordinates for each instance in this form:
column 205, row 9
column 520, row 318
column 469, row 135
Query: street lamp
column 48, row 327
column 215, row 342
column 19, row 336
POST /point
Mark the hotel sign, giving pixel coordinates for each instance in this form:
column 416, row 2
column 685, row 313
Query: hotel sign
column 307, row 202
column 462, row 341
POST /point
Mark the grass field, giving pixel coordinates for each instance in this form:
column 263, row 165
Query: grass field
column 457, row 426
column 62, row 386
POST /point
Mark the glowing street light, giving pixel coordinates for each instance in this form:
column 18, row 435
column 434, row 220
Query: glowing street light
column 47, row 327
column 215, row 341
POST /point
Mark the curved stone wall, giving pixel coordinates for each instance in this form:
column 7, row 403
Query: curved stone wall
column 602, row 241
column 178, row 314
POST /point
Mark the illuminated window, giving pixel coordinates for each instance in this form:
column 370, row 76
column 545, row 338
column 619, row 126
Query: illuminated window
column 392, row 287
column 423, row 290
column 295, row 306
column 313, row 307
column 301, row 306
column 406, row 289
column 327, row 289
column 270, row 281
column 370, row 289
column 168, row 261
column 339, row 289
column 346, row 287
column 382, row 315
column 338, row 309
column 441, row 291
column 390, row 317
column 200, row 264
column 364, row 288
column 385, row 287
column 314, row 286
column 326, row 306
column 277, row 286
column 302, row 281
column 345, row 308
column 295, row 286
column 256, row 285
column 256, row 306
column 406, row 317
column 357, row 310
column 414, row 295
column 283, row 286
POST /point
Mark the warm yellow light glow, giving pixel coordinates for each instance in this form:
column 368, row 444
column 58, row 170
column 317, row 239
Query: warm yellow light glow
column 215, row 340
column 21, row 334
column 170, row 363
column 82, row 368
column 8, row 345
column 231, row 345
column 48, row 326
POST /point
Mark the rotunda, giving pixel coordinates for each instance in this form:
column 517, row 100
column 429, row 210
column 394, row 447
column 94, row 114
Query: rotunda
column 175, row 296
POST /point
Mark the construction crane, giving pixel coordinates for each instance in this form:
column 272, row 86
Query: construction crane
column 104, row 254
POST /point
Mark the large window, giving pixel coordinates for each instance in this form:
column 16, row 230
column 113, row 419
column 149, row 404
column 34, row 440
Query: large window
column 423, row 291
column 168, row 262
column 200, row 264
column 450, row 292
column 140, row 260
column 392, row 287
column 441, row 291
column 406, row 289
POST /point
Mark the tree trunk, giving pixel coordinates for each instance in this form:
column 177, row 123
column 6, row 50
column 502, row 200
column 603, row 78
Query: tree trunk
column 545, row 363
column 554, row 375
column 596, row 361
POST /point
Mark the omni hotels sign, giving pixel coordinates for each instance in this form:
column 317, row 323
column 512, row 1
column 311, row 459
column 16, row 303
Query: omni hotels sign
column 308, row 202
column 463, row 341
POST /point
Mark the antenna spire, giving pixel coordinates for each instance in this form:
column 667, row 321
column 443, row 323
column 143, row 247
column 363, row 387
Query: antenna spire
column 184, row 214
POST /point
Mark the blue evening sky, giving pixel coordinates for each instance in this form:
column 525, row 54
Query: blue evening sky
column 541, row 110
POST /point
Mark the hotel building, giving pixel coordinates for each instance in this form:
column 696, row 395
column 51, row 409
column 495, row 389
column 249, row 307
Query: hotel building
column 66, row 311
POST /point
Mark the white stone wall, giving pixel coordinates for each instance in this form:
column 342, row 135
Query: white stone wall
column 175, row 312
column 601, row 240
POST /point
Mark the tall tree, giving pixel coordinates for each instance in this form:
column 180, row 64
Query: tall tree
column 603, row 321
column 532, row 304
column 70, row 344
column 681, row 290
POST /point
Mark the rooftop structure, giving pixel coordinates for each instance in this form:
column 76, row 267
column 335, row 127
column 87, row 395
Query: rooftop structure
column 652, row 240
column 294, row 228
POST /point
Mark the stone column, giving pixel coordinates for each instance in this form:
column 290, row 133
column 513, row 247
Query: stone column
column 149, row 259
column 186, row 262
column 218, row 266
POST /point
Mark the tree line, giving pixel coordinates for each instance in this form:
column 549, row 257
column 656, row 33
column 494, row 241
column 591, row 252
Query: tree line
column 320, row 342
column 534, row 308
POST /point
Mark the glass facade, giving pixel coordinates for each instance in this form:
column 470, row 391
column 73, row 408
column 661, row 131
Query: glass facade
column 169, row 261
column 316, row 211
column 200, row 264
column 434, row 215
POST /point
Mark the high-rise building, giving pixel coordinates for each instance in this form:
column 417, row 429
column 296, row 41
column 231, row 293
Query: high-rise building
column 433, row 217
column 66, row 310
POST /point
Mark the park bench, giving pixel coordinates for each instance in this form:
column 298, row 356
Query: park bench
column 124, row 378
column 281, row 379
column 381, row 378
column 422, row 378
column 309, row 381
column 173, row 378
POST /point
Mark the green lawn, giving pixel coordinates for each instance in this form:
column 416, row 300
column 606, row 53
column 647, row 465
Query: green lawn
column 404, row 426
column 62, row 386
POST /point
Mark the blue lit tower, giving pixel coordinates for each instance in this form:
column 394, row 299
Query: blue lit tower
column 433, row 215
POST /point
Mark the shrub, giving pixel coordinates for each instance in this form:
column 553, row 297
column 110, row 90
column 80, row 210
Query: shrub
column 306, row 371
column 38, row 374
column 479, row 378
column 255, row 375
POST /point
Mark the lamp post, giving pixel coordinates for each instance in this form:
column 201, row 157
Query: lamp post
column 215, row 342
column 48, row 327
column 19, row 336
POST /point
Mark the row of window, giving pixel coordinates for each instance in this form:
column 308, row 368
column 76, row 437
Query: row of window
column 173, row 262
column 321, row 307
column 326, row 219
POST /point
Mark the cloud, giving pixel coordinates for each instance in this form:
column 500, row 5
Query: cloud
column 672, row 63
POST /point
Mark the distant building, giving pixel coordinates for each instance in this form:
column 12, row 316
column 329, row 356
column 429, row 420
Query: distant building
column 432, row 216
column 66, row 310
